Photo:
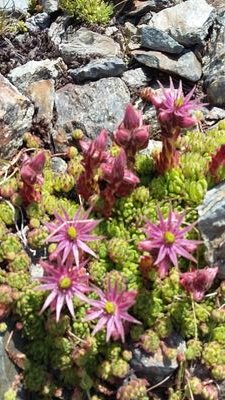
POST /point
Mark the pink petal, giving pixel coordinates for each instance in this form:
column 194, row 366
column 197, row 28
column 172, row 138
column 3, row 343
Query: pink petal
column 101, row 323
column 69, row 303
column 59, row 305
column 49, row 300
column 85, row 248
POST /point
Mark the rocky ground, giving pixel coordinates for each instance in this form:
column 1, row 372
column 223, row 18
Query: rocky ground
column 57, row 75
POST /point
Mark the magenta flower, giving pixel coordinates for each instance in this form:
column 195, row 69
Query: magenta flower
column 111, row 311
column 95, row 153
column 132, row 134
column 167, row 241
column 31, row 169
column 65, row 282
column 197, row 282
column 173, row 108
column 217, row 161
column 31, row 176
column 72, row 235
column 118, row 180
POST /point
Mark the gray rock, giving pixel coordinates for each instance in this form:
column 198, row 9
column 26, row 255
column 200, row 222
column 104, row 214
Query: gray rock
column 97, row 69
column 110, row 30
column 140, row 8
column 92, row 106
column 16, row 112
column 59, row 166
column 158, row 5
column 7, row 369
column 211, row 224
column 155, row 39
column 188, row 22
column 38, row 22
column 36, row 271
column 50, row 6
column 156, row 367
column 215, row 114
column 135, row 78
column 214, row 64
column 86, row 43
column 34, row 71
column 186, row 65
column 58, row 28
column 14, row 5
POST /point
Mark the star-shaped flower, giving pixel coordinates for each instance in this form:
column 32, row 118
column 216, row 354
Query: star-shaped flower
column 72, row 235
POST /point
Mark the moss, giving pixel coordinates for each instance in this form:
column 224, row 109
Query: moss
column 91, row 11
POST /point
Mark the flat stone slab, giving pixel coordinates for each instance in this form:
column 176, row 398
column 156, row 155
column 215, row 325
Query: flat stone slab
column 186, row 65
column 87, row 43
column 154, row 39
column 97, row 69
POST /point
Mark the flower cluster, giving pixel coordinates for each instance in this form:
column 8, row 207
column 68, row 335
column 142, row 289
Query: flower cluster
column 105, row 176
column 31, row 177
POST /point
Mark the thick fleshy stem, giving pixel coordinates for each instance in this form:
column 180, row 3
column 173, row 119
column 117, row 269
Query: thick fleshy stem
column 169, row 156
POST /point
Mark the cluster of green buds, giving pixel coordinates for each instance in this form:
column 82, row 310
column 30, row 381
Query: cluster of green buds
column 136, row 389
column 32, row 141
column 10, row 247
column 7, row 213
column 63, row 183
column 150, row 341
column 36, row 237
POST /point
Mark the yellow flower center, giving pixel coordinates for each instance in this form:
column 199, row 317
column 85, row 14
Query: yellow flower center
column 71, row 232
column 64, row 282
column 169, row 237
column 110, row 307
column 179, row 102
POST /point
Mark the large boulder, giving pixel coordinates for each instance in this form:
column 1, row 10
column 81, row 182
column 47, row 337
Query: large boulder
column 92, row 106
column 188, row 22
column 16, row 112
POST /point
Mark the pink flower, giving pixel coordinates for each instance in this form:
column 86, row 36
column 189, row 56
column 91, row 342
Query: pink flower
column 121, row 180
column 111, row 311
column 173, row 108
column 167, row 241
column 31, row 176
column 197, row 282
column 31, row 169
column 217, row 161
column 94, row 152
column 71, row 235
column 65, row 282
column 118, row 180
column 132, row 134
